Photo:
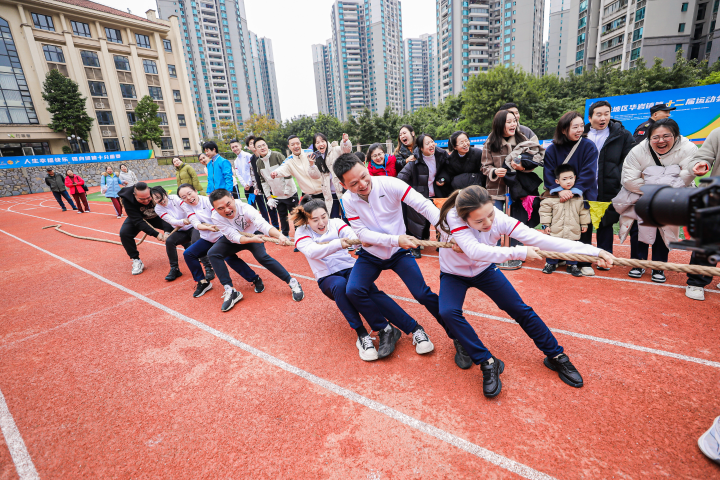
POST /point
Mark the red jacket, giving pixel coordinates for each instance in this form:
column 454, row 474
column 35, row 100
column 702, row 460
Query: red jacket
column 388, row 170
column 75, row 179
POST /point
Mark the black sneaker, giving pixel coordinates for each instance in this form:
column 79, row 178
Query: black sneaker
column 209, row 274
column 174, row 273
column 549, row 268
column 574, row 270
column 636, row 272
column 491, row 377
column 416, row 252
column 658, row 276
column 566, row 370
column 297, row 291
column 603, row 269
column 259, row 285
column 462, row 359
column 230, row 298
column 386, row 345
column 202, row 287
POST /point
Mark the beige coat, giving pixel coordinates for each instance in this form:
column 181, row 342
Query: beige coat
column 299, row 168
column 332, row 154
column 565, row 219
column 709, row 152
column 491, row 161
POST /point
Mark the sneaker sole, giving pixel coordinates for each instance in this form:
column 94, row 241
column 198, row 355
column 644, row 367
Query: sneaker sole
column 396, row 336
column 701, row 299
column 261, row 290
column 635, row 275
column 509, row 267
column 658, row 280
column 495, row 393
column 366, row 355
column 562, row 377
column 138, row 273
column 298, row 299
column 204, row 291
column 710, row 455
column 424, row 347
column 173, row 279
column 239, row 297
column 587, row 275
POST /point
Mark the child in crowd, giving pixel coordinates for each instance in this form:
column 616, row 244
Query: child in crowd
column 381, row 164
column 564, row 218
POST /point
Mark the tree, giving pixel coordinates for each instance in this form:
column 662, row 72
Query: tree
column 711, row 79
column 66, row 105
column 147, row 124
column 259, row 126
column 225, row 132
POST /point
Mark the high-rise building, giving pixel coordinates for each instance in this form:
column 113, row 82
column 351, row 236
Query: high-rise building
column 386, row 55
column 225, row 62
column 558, row 37
column 619, row 32
column 421, row 72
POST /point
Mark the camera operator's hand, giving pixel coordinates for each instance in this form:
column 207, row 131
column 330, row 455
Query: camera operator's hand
column 606, row 259
column 700, row 169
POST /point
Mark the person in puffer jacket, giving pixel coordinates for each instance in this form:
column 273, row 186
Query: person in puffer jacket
column 566, row 219
column 381, row 164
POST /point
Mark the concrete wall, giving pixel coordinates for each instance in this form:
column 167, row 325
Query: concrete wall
column 21, row 181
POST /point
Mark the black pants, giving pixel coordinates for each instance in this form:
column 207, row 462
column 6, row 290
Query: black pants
column 284, row 207
column 660, row 251
column 59, row 196
column 269, row 216
column 605, row 237
column 699, row 280
column 128, row 231
column 225, row 248
column 586, row 238
column 336, row 210
column 181, row 237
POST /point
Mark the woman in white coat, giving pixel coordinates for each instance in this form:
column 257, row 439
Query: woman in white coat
column 321, row 167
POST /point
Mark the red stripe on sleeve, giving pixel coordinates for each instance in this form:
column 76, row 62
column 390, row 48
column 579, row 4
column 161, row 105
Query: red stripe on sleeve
column 406, row 192
column 458, row 229
column 342, row 227
column 296, row 241
column 182, row 202
column 163, row 214
column 353, row 218
column 516, row 225
column 191, row 214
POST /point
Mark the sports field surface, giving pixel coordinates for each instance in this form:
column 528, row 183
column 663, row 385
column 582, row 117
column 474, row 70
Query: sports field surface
column 108, row 375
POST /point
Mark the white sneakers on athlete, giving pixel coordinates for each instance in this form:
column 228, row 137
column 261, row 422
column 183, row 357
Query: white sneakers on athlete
column 587, row 271
column 230, row 297
column 366, row 348
column 696, row 293
column 422, row 341
column 137, row 267
column 297, row 291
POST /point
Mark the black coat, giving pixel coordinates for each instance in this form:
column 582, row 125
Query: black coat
column 401, row 157
column 641, row 132
column 460, row 172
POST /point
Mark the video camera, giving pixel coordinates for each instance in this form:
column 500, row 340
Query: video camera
column 696, row 208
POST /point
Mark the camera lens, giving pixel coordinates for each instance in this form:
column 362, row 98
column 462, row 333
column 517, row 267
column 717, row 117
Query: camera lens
column 663, row 205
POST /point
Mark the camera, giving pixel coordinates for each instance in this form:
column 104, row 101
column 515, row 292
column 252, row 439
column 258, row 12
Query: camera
column 696, row 208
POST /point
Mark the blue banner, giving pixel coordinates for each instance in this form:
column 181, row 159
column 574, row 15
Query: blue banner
column 697, row 114
column 474, row 141
column 73, row 158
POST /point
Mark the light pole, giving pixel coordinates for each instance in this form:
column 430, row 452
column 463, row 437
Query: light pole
column 123, row 139
column 72, row 140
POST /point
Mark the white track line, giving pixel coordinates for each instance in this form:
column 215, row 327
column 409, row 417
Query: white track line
column 483, row 453
column 20, row 456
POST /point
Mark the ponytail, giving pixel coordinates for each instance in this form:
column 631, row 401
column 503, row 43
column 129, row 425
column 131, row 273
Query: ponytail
column 303, row 212
column 464, row 201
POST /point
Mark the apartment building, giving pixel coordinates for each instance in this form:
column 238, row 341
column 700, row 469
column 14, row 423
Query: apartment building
column 226, row 62
column 386, row 56
column 115, row 58
column 421, row 72
column 558, row 37
column 619, row 32
column 325, row 78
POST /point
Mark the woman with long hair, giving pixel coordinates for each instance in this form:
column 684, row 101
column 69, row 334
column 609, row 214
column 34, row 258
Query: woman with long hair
column 405, row 146
column 324, row 156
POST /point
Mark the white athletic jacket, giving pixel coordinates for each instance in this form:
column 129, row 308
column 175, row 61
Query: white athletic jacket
column 325, row 259
column 201, row 213
column 379, row 221
column 173, row 213
column 480, row 248
column 246, row 219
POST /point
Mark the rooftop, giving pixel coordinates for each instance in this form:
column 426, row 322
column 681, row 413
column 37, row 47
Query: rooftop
column 103, row 8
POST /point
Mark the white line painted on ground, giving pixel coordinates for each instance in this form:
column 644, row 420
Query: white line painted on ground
column 20, row 456
column 487, row 455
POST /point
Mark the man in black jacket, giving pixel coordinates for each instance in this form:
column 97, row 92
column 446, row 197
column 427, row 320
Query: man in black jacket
column 270, row 215
column 614, row 142
column 657, row 112
column 141, row 217
column 56, row 182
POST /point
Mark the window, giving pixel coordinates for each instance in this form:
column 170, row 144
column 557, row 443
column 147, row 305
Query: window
column 163, row 118
column 140, row 145
column 167, row 45
column 640, row 14
column 176, row 96
column 181, row 121
column 579, row 55
column 150, row 66
column 89, row 59
column 53, row 54
column 97, row 89
column 155, row 93
column 684, row 7
column 105, row 118
column 132, row 119
column 708, row 47
column 635, row 54
column 678, row 47
column 166, row 143
column 81, row 29
column 186, row 143
column 701, row 12
column 43, row 22
column 171, row 71
column 681, row 28
column 111, row 144
column 142, row 40
column 637, row 34
column 121, row 63
column 113, row 35
column 18, row 105
column 128, row 91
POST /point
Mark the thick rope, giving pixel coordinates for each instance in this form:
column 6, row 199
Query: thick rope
column 57, row 227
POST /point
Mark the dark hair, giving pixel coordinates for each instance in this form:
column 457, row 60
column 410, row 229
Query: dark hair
column 565, row 167
column 361, row 156
column 419, row 141
column 158, row 190
column 372, row 148
column 319, row 161
column 210, row 146
column 123, row 165
column 400, row 144
column 108, row 166
column 303, row 212
column 290, row 138
column 249, row 139
column 218, row 194
column 465, row 201
column 452, row 143
column 564, row 123
column 508, row 106
column 598, row 104
column 259, row 139
column 234, row 140
column 668, row 123
column 68, row 170
column 188, row 185
column 494, row 141
column 141, row 186
column 344, row 163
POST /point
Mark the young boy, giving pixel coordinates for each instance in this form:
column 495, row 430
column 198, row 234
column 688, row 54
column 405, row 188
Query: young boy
column 373, row 208
column 564, row 219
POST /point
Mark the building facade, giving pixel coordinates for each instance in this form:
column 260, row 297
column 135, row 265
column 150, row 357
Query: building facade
column 421, row 72
column 619, row 32
column 324, row 69
column 558, row 37
column 115, row 58
column 226, row 62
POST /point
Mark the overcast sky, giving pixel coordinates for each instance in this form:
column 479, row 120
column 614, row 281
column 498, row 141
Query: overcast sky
column 293, row 26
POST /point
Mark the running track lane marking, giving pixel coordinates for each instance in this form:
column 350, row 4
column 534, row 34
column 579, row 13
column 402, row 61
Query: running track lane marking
column 21, row 458
column 483, row 453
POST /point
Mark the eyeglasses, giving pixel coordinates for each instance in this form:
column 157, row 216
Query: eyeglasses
column 664, row 138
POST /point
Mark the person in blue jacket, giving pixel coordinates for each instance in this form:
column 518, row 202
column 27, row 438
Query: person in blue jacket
column 219, row 170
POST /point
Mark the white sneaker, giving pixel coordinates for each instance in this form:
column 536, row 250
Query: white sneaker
column 297, row 291
column 422, row 342
column 366, row 348
column 696, row 293
column 137, row 267
column 709, row 442
column 587, row 271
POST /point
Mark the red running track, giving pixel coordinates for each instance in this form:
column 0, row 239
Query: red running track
column 104, row 374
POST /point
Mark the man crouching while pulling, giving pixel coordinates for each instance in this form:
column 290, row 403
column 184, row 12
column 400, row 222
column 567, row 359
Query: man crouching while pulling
column 232, row 217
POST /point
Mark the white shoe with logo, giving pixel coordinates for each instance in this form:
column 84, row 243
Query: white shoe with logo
column 696, row 293
column 137, row 267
